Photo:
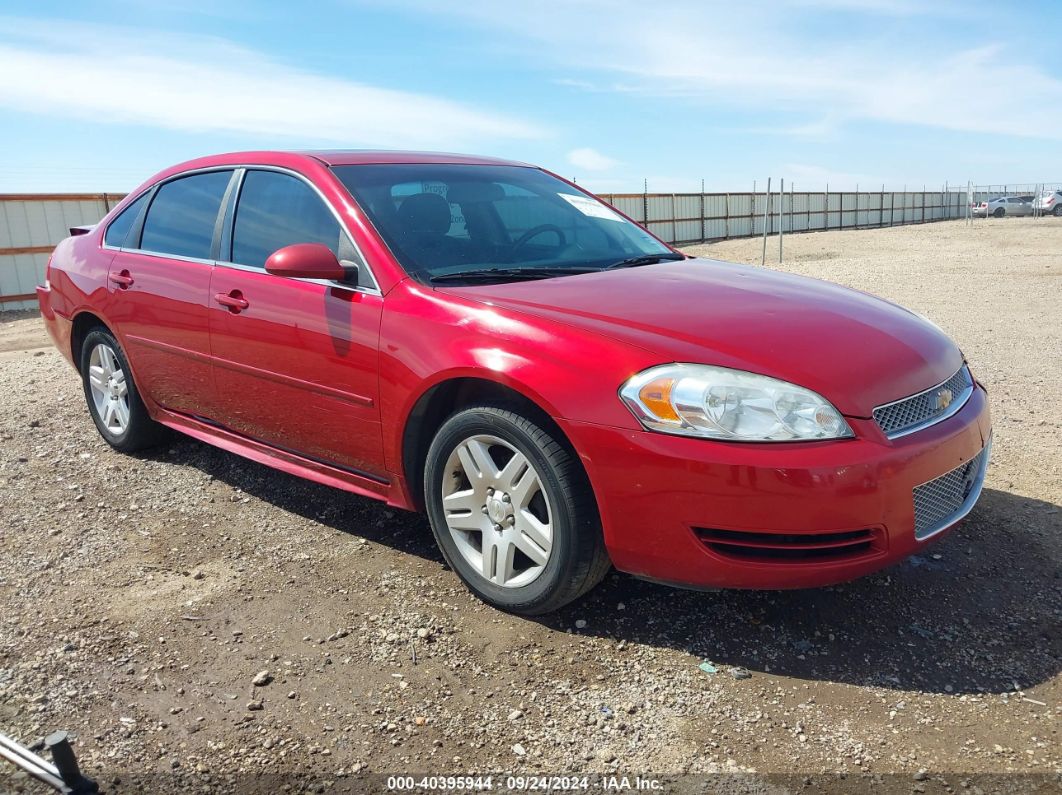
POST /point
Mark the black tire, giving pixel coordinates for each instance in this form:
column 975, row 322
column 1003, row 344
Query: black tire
column 999, row 212
column 1057, row 212
column 140, row 431
column 577, row 560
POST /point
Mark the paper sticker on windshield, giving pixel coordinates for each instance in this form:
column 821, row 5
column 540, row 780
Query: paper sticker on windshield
column 588, row 206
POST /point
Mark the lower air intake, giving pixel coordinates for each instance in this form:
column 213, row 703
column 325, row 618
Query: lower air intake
column 790, row 547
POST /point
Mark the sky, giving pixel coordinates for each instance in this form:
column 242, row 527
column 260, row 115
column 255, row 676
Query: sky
column 615, row 94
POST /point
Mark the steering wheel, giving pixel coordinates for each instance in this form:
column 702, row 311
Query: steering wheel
column 535, row 231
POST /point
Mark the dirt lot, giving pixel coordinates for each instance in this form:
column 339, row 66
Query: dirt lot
column 140, row 596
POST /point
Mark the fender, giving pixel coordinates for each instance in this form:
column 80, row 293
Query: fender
column 427, row 339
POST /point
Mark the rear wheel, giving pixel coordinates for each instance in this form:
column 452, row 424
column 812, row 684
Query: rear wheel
column 512, row 511
column 999, row 212
column 113, row 399
column 1057, row 212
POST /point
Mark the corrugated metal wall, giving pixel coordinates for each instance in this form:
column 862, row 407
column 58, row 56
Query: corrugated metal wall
column 31, row 225
column 684, row 218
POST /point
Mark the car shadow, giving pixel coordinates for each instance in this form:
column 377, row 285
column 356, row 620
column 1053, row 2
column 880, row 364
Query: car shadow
column 976, row 612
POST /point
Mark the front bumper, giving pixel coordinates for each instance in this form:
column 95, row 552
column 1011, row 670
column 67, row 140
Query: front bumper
column 711, row 514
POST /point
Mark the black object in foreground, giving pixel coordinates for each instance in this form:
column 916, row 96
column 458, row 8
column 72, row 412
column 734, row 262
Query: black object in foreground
column 64, row 776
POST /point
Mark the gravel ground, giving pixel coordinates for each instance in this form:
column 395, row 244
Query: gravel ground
column 201, row 623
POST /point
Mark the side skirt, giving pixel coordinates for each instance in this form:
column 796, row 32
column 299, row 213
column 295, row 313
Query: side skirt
column 285, row 461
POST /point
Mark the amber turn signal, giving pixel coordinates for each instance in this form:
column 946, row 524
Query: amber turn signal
column 656, row 396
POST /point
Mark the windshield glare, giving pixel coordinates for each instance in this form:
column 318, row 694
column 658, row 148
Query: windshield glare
column 447, row 218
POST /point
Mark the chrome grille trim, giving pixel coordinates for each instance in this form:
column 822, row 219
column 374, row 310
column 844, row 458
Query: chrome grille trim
column 918, row 411
column 941, row 502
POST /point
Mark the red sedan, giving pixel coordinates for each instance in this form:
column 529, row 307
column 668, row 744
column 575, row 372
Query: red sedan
column 558, row 389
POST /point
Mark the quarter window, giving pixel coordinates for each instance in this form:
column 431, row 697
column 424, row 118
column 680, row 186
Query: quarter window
column 183, row 214
column 118, row 232
column 277, row 210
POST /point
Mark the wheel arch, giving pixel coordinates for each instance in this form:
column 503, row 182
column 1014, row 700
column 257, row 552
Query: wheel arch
column 83, row 322
column 444, row 398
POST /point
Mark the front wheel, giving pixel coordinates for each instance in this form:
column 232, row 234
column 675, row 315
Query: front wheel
column 113, row 399
column 512, row 511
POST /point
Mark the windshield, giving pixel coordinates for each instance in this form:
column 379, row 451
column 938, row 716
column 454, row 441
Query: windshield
column 450, row 219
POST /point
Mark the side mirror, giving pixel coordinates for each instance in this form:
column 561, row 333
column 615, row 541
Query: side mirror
column 306, row 261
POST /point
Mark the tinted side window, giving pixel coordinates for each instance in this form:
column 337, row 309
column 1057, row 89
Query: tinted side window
column 182, row 215
column 277, row 210
column 118, row 231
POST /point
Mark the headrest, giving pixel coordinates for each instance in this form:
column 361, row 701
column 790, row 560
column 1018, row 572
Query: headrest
column 425, row 212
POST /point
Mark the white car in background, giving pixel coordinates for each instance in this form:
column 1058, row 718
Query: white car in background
column 1003, row 205
column 1051, row 202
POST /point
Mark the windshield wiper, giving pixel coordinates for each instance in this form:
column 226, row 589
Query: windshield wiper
column 496, row 274
column 643, row 259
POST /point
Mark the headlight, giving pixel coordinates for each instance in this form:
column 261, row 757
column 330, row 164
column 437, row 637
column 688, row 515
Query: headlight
column 720, row 403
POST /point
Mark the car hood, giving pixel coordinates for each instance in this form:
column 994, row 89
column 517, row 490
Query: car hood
column 855, row 350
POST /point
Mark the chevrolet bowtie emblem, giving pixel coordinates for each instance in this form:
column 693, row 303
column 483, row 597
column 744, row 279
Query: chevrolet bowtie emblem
column 944, row 398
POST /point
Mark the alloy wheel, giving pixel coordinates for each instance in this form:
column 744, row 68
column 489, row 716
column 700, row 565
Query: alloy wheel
column 497, row 511
column 110, row 391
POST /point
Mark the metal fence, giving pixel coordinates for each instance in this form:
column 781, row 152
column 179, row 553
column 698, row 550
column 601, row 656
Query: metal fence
column 1030, row 192
column 684, row 218
column 32, row 224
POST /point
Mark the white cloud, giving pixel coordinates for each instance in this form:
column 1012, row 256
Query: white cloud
column 775, row 62
column 590, row 159
column 111, row 74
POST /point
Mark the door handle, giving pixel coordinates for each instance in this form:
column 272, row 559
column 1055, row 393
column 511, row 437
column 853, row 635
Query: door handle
column 122, row 279
column 234, row 300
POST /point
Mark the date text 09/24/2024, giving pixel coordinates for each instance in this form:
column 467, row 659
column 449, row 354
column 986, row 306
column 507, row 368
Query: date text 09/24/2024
column 544, row 783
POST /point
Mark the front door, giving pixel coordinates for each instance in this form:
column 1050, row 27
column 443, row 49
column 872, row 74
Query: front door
column 160, row 283
column 295, row 359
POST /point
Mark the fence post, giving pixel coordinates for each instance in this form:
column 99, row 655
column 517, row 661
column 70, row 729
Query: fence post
column 752, row 210
column 674, row 220
column 704, row 230
column 881, row 207
column 826, row 207
column 781, row 211
column 766, row 206
column 923, row 203
column 726, row 222
column 645, row 202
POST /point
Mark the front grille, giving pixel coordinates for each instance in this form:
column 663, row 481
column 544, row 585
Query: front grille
column 789, row 547
column 945, row 500
column 926, row 408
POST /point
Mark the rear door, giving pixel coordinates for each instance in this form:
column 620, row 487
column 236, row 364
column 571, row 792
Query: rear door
column 160, row 280
column 296, row 361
